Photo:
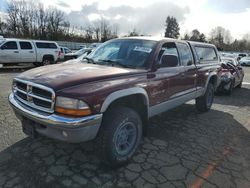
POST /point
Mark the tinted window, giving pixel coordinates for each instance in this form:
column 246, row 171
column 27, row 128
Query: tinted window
column 10, row 46
column 25, row 45
column 185, row 54
column 206, row 53
column 46, row 45
column 168, row 56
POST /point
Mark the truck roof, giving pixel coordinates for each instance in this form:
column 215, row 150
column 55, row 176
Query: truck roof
column 158, row 39
column 16, row 39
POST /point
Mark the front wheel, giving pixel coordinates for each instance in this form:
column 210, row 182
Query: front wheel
column 229, row 88
column 119, row 136
column 204, row 103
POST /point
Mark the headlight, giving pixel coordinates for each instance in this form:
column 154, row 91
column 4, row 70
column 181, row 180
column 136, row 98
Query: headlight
column 69, row 106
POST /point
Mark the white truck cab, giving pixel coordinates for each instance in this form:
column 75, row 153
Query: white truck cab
column 28, row 51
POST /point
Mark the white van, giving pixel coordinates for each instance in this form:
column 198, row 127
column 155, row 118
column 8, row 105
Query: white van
column 28, row 51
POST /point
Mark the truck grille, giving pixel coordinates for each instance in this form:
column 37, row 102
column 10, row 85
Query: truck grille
column 34, row 95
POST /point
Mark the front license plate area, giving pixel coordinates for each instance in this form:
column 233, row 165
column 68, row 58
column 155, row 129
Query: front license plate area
column 29, row 128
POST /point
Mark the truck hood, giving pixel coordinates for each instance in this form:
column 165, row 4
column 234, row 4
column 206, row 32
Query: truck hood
column 65, row 75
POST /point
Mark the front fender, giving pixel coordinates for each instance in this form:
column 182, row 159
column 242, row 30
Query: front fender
column 123, row 93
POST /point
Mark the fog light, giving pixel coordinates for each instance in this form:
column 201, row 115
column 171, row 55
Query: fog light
column 65, row 134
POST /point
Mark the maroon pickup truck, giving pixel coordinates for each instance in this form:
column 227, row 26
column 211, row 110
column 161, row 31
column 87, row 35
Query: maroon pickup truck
column 110, row 95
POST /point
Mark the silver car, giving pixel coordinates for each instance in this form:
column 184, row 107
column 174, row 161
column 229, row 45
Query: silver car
column 245, row 61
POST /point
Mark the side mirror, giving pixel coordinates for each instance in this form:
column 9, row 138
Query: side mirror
column 169, row 61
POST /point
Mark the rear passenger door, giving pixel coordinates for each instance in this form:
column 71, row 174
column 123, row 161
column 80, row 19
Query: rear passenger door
column 187, row 61
column 27, row 52
column 9, row 52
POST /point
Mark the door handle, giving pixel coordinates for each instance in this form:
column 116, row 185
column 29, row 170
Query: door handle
column 31, row 51
column 16, row 52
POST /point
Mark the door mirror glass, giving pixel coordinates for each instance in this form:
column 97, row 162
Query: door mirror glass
column 169, row 61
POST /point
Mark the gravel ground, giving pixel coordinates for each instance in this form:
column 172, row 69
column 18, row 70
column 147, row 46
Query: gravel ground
column 182, row 149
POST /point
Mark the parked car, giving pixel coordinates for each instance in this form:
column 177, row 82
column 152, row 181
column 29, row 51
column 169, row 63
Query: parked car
column 232, row 75
column 28, row 51
column 245, row 61
column 241, row 55
column 76, row 54
column 63, row 52
column 81, row 58
column 111, row 95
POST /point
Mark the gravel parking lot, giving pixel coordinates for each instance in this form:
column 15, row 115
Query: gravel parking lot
column 183, row 148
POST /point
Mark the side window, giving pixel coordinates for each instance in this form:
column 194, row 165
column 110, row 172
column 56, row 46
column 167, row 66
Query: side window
column 46, row 45
column 168, row 56
column 25, row 45
column 206, row 53
column 9, row 46
column 185, row 54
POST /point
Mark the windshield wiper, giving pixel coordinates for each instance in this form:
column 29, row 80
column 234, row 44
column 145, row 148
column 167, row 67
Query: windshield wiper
column 113, row 63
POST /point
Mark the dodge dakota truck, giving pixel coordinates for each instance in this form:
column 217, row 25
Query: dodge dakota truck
column 109, row 96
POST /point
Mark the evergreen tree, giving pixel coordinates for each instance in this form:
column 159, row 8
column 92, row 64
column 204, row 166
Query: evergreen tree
column 172, row 28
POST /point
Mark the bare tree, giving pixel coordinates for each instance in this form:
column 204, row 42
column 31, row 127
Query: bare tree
column 220, row 37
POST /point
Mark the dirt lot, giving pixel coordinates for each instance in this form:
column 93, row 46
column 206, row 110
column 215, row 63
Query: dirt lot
column 183, row 149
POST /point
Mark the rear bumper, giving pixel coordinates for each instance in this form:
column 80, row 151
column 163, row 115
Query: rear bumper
column 58, row 127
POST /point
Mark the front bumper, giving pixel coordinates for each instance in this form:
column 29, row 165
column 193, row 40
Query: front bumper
column 58, row 127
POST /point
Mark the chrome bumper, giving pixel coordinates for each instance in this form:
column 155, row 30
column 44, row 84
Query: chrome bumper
column 56, row 126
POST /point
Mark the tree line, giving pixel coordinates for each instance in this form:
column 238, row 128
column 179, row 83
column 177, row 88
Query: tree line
column 29, row 19
column 218, row 36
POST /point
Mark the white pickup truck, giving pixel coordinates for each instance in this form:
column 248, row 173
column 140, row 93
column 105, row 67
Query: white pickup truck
column 28, row 51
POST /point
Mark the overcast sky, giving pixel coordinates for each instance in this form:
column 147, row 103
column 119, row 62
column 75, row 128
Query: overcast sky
column 148, row 16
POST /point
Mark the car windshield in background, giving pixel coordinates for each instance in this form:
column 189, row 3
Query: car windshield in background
column 245, row 58
column 126, row 53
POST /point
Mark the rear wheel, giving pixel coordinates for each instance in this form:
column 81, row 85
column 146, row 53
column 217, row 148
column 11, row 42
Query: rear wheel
column 47, row 61
column 204, row 103
column 119, row 136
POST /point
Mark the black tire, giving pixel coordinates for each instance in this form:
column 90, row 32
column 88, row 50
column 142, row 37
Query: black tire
column 114, row 122
column 230, row 90
column 47, row 61
column 37, row 64
column 240, row 85
column 204, row 103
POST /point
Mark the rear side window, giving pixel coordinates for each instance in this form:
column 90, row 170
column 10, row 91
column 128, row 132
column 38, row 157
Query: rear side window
column 206, row 53
column 25, row 45
column 11, row 45
column 46, row 45
column 185, row 54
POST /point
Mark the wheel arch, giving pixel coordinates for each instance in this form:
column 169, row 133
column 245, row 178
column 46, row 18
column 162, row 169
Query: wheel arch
column 135, row 98
column 125, row 93
column 213, row 79
column 48, row 56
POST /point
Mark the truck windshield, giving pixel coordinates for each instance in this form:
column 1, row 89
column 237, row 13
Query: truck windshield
column 129, row 53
